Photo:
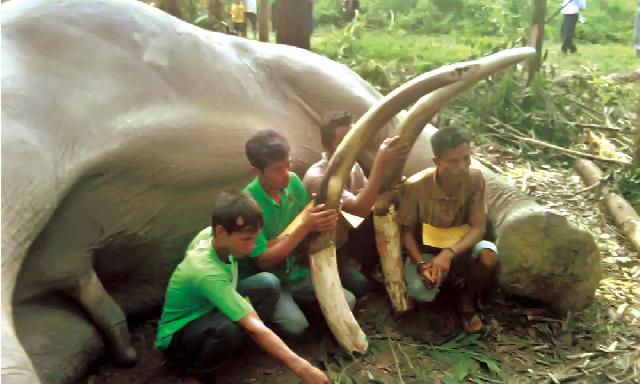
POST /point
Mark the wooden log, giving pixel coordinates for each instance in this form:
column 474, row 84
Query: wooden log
column 625, row 217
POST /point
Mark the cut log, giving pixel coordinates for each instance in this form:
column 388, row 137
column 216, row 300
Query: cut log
column 625, row 217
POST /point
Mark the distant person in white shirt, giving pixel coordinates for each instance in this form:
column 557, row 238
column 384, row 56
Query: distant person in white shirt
column 252, row 15
column 570, row 10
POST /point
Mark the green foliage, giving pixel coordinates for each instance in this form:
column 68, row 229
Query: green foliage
column 607, row 21
column 628, row 183
column 465, row 355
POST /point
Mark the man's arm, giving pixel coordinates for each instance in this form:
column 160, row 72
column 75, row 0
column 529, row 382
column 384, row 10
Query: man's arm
column 316, row 219
column 410, row 243
column 274, row 346
column 389, row 151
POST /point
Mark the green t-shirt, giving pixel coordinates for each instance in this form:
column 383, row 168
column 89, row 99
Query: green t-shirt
column 293, row 199
column 201, row 282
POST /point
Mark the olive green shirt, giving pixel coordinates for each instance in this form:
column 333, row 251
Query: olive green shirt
column 201, row 283
column 277, row 216
column 424, row 200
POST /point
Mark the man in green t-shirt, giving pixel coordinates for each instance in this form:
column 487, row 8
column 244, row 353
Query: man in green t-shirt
column 206, row 308
column 282, row 196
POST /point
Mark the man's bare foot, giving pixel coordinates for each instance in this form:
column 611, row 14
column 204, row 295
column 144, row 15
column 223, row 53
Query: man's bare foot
column 472, row 322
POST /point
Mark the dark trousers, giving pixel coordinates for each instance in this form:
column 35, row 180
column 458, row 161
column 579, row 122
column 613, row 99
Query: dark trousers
column 200, row 345
column 567, row 32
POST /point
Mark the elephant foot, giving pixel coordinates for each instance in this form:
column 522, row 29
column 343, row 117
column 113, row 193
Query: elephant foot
column 122, row 351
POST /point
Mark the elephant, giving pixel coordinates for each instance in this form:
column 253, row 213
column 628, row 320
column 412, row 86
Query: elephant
column 121, row 124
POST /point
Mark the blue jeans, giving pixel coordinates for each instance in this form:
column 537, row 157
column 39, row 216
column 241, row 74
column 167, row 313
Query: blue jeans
column 459, row 266
column 295, row 296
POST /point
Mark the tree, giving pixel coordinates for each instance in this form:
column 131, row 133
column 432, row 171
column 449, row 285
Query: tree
column 536, row 36
column 172, row 7
column 294, row 22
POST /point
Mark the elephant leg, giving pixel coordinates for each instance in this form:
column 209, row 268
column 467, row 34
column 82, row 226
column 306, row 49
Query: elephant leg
column 107, row 315
column 16, row 366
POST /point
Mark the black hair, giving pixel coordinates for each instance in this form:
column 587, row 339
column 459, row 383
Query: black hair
column 447, row 138
column 266, row 146
column 328, row 130
column 236, row 212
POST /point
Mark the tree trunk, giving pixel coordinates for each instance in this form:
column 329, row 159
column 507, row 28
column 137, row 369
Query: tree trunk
column 536, row 36
column 263, row 20
column 172, row 7
column 294, row 23
column 216, row 10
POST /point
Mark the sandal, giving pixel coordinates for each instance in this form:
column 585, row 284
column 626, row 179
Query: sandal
column 472, row 322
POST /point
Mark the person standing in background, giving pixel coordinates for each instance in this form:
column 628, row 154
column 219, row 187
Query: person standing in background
column 251, row 13
column 237, row 13
column 570, row 11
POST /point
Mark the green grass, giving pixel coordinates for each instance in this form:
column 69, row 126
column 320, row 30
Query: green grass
column 405, row 55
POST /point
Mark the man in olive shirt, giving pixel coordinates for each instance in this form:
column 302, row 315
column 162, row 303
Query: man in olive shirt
column 443, row 216
column 282, row 196
column 205, row 309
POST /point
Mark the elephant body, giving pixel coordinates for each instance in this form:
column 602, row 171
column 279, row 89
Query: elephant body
column 121, row 124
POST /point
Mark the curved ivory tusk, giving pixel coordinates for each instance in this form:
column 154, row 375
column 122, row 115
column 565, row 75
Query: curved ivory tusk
column 387, row 228
column 324, row 270
column 424, row 110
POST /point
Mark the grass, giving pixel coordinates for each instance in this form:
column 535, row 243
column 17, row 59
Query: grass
column 412, row 54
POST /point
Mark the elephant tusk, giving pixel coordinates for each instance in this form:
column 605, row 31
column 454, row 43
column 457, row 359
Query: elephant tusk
column 387, row 228
column 324, row 270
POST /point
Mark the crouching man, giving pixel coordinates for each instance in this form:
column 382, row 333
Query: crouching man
column 443, row 217
column 207, row 310
column 358, row 196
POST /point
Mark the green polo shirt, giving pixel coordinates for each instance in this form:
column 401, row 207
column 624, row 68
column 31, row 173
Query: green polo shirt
column 293, row 199
column 201, row 282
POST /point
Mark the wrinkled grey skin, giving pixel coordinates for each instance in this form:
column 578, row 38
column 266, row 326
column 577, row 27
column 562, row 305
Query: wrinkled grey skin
column 120, row 125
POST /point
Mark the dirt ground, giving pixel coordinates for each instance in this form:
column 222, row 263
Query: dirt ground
column 521, row 343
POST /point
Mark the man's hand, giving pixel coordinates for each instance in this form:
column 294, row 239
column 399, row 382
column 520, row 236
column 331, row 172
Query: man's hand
column 319, row 219
column 440, row 266
column 391, row 149
column 312, row 375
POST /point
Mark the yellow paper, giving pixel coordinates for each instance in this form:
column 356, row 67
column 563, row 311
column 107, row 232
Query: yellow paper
column 443, row 237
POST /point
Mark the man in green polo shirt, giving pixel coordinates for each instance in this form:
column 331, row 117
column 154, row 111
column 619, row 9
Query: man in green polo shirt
column 282, row 196
column 206, row 308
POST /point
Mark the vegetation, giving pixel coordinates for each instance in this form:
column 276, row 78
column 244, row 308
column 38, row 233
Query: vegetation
column 393, row 41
